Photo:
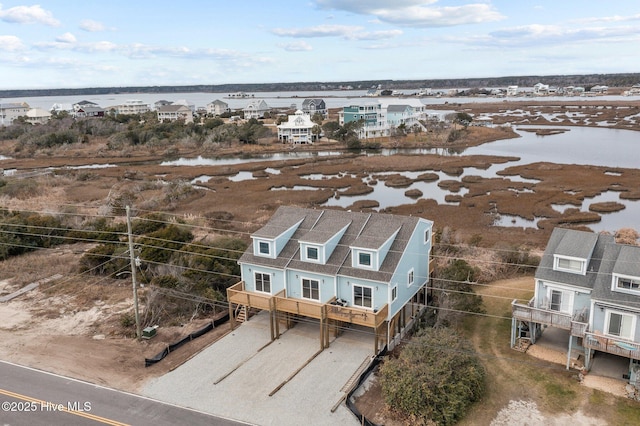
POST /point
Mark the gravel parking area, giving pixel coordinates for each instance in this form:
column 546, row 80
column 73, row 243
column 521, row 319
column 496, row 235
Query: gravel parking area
column 246, row 372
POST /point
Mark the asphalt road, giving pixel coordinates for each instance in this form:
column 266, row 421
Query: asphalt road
column 33, row 397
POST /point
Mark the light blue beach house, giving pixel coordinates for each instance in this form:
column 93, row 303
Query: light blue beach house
column 339, row 268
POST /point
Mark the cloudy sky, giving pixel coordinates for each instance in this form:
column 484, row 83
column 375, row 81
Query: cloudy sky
column 66, row 44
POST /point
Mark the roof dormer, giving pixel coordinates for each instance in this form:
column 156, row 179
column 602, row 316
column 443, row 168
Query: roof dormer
column 271, row 239
column 573, row 252
column 368, row 252
column 319, row 243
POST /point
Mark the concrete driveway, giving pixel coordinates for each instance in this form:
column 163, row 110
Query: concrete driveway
column 234, row 377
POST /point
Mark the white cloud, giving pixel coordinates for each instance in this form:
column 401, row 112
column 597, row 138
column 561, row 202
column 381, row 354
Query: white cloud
column 608, row 19
column 368, row 7
column 317, row 31
column 343, row 31
column 417, row 13
column 92, row 26
column 549, row 35
column 10, row 43
column 420, row 16
column 28, row 15
column 297, row 46
column 66, row 38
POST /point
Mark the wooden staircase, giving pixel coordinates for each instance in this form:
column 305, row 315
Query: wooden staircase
column 241, row 314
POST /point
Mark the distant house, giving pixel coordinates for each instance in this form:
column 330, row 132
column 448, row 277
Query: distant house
column 218, row 107
column 66, row 107
column 402, row 114
column 38, row 116
column 11, row 111
column 133, row 106
column 378, row 117
column 256, row 109
column 174, row 113
column 84, row 104
column 161, row 103
column 512, row 90
column 89, row 111
column 297, row 129
column 339, row 268
column 314, row 106
column 540, row 89
column 186, row 103
column 589, row 286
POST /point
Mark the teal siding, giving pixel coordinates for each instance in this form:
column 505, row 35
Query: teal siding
column 416, row 257
column 294, row 284
column 248, row 274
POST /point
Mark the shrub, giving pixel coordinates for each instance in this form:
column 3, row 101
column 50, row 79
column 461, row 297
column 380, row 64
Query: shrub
column 436, row 377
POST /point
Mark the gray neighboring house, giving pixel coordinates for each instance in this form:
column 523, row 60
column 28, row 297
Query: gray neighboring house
column 256, row 109
column 588, row 285
column 313, row 106
column 218, row 107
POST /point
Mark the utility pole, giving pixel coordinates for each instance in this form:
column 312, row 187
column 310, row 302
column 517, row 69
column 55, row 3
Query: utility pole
column 132, row 257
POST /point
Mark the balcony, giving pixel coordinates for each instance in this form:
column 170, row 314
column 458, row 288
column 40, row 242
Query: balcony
column 612, row 345
column 547, row 317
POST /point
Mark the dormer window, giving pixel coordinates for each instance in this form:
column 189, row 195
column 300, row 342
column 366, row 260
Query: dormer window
column 626, row 284
column 569, row 264
column 264, row 248
column 364, row 259
column 312, row 253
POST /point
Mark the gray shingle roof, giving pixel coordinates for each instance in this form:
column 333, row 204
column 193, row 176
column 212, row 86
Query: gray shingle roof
column 372, row 228
column 568, row 242
column 620, row 259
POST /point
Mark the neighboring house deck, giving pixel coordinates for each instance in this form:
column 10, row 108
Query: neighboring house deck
column 336, row 267
column 589, row 285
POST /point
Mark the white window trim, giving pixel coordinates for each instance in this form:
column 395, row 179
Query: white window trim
column 427, row 236
column 255, row 282
column 394, row 289
column 607, row 320
column 411, row 277
column 556, row 266
column 363, row 265
column 614, row 284
column 302, row 279
column 566, row 294
column 353, row 296
column 310, row 259
column 269, row 246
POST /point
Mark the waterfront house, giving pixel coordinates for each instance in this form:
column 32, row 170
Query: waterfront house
column 84, row 104
column 298, row 129
column 89, row 111
column 256, row 109
column 38, row 116
column 11, row 111
column 589, row 286
column 314, row 106
column 218, row 107
column 339, row 268
column 175, row 112
column 378, row 117
column 133, row 106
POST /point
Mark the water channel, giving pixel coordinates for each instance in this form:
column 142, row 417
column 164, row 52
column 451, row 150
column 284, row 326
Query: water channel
column 577, row 145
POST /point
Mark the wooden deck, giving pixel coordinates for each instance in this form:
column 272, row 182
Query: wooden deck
column 611, row 345
column 541, row 316
column 327, row 313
